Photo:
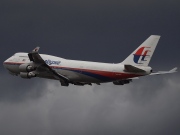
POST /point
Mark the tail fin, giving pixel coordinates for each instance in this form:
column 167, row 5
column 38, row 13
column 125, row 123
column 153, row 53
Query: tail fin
column 143, row 54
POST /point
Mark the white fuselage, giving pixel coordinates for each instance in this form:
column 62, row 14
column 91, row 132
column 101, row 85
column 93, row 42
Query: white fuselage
column 78, row 71
column 33, row 64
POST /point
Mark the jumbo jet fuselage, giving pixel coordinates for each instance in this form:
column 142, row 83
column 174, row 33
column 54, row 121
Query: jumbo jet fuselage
column 33, row 64
column 76, row 71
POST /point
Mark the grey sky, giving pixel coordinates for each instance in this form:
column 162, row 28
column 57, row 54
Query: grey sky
column 106, row 31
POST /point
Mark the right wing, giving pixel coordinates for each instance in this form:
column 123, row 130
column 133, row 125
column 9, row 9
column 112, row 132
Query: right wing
column 42, row 66
column 165, row 72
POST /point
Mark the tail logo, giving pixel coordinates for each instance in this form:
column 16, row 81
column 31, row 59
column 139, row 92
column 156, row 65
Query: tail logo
column 141, row 54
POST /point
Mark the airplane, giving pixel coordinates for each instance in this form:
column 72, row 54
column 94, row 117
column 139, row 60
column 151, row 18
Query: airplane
column 33, row 64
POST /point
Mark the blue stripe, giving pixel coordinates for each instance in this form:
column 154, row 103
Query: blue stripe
column 97, row 76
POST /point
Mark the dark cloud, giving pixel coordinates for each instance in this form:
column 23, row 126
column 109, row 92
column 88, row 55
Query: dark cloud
column 106, row 31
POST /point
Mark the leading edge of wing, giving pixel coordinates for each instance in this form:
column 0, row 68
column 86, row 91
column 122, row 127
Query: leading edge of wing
column 165, row 72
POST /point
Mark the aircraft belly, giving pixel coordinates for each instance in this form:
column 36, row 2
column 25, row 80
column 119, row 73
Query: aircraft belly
column 78, row 76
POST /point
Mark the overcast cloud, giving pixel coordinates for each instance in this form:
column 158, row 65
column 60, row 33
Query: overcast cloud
column 106, row 31
column 139, row 108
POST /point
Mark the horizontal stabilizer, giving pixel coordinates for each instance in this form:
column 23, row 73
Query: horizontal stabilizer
column 131, row 68
column 165, row 72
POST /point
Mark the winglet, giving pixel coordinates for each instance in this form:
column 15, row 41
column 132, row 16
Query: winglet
column 36, row 49
column 173, row 70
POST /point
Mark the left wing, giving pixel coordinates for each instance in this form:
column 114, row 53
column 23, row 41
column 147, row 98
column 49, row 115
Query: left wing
column 42, row 66
column 165, row 72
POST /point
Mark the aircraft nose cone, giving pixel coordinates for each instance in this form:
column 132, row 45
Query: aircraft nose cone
column 4, row 64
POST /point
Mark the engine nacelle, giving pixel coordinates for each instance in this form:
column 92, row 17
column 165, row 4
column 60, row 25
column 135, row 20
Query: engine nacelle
column 122, row 82
column 26, row 67
column 27, row 75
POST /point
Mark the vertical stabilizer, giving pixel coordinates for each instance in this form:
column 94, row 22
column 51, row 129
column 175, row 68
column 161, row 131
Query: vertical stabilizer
column 143, row 54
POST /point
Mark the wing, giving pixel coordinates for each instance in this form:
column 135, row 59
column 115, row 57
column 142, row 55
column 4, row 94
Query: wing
column 165, row 72
column 42, row 66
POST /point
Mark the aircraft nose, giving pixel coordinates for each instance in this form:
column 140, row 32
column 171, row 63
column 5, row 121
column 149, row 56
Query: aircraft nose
column 5, row 63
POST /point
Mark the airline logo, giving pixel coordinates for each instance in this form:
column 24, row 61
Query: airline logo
column 50, row 62
column 141, row 54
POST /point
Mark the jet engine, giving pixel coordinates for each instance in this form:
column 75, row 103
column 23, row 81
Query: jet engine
column 27, row 75
column 122, row 82
column 28, row 67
